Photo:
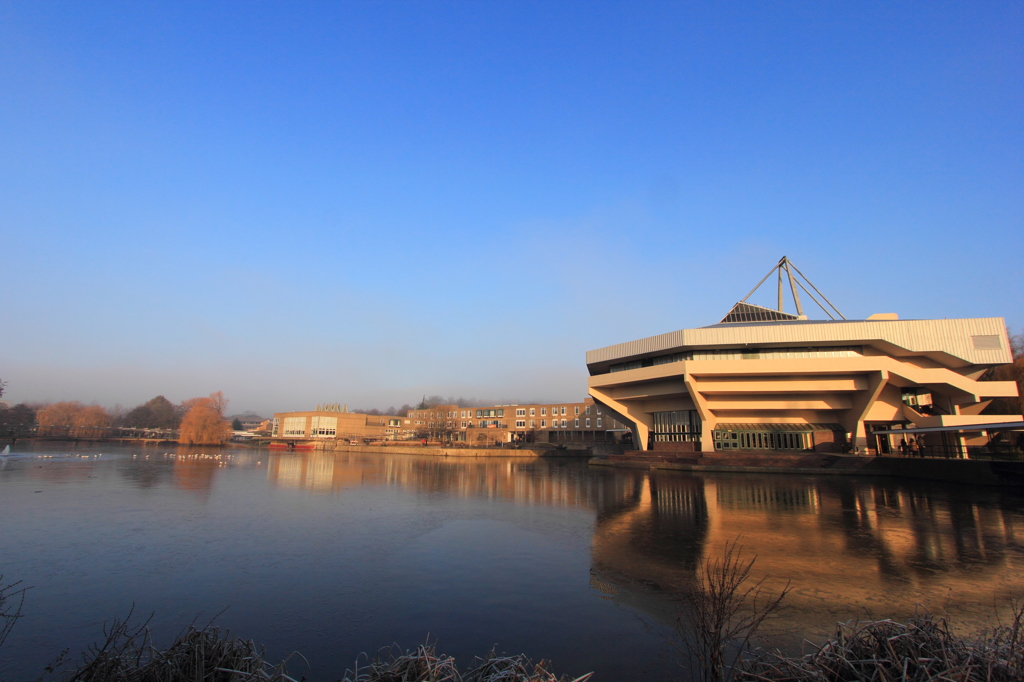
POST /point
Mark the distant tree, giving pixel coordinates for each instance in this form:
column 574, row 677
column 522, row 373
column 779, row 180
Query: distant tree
column 158, row 413
column 90, row 421
column 403, row 411
column 2, row 385
column 17, row 419
column 236, row 424
column 204, row 423
column 58, row 416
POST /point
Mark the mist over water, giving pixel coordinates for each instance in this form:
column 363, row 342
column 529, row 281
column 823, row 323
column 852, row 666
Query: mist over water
column 333, row 554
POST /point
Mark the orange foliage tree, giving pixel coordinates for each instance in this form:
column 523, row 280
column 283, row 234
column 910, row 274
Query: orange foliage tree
column 58, row 417
column 91, row 421
column 203, row 423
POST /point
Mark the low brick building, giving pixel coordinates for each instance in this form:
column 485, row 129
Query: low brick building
column 557, row 423
column 332, row 423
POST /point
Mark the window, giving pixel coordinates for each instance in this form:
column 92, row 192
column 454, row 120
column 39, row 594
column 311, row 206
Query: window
column 520, row 424
column 520, row 412
column 543, row 423
column 532, row 423
column 598, row 422
column 563, row 409
column 463, row 423
column 554, row 423
column 599, row 410
column 588, row 410
column 324, row 427
column 577, row 409
column 277, row 422
column 577, row 424
column 533, row 411
column 588, row 423
column 295, row 426
column 564, row 425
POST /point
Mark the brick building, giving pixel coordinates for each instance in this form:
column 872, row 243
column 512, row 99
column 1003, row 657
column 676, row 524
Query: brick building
column 582, row 422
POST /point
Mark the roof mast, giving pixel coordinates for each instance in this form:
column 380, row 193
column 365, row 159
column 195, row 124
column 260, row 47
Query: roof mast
column 749, row 312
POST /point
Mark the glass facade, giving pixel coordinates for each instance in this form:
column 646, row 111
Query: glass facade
column 676, row 426
column 762, row 440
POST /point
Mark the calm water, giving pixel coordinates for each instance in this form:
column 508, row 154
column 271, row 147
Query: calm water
column 332, row 555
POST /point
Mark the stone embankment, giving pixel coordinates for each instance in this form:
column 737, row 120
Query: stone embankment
column 977, row 472
column 441, row 451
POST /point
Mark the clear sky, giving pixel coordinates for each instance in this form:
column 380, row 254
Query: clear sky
column 364, row 202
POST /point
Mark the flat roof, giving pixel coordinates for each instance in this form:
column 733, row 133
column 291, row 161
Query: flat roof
column 966, row 341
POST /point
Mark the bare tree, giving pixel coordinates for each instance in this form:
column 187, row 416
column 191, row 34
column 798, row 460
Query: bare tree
column 722, row 614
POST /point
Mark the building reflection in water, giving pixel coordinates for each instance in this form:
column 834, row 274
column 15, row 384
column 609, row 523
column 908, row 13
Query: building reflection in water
column 849, row 548
column 526, row 481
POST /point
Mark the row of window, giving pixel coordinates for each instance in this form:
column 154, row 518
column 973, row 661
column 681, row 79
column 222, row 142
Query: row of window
column 522, row 423
column 762, row 440
column 744, row 354
column 500, row 412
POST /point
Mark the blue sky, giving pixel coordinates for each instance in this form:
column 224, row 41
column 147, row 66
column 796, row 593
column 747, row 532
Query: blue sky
column 363, row 202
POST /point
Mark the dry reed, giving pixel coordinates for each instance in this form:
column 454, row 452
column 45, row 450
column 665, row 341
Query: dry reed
column 923, row 649
column 127, row 654
column 10, row 611
column 424, row 664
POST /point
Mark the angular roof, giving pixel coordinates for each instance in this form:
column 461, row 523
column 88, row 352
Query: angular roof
column 748, row 312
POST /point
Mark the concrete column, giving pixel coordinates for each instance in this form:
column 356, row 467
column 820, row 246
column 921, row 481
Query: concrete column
column 862, row 403
column 707, row 419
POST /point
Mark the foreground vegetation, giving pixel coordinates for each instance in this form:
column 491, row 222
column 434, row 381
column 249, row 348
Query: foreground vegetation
column 922, row 649
column 716, row 626
column 210, row 655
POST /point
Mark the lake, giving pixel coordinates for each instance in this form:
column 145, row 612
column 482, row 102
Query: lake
column 333, row 554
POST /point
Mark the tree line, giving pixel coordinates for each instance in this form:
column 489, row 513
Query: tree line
column 197, row 421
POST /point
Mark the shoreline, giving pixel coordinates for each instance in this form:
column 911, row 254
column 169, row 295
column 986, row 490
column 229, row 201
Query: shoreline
column 970, row 471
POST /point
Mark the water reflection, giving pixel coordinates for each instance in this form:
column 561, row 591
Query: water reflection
column 535, row 482
column 850, row 548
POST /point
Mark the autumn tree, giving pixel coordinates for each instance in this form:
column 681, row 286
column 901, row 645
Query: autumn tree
column 204, row 423
column 57, row 417
column 90, row 421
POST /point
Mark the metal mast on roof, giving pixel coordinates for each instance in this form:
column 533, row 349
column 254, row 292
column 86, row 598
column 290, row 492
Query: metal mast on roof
column 787, row 265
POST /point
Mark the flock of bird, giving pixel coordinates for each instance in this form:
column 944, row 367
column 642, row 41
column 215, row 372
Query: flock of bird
column 220, row 459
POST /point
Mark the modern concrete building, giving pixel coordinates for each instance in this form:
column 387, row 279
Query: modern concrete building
column 764, row 379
